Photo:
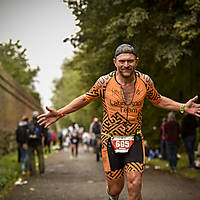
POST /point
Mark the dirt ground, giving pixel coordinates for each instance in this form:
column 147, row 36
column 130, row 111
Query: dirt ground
column 83, row 179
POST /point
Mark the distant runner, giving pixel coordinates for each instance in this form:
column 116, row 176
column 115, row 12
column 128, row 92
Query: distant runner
column 122, row 92
column 74, row 138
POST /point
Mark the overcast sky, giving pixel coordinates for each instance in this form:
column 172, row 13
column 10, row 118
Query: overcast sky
column 41, row 26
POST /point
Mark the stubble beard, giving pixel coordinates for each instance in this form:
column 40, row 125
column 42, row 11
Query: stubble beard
column 126, row 74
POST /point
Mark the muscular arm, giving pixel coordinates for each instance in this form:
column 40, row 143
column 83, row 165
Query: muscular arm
column 75, row 105
column 190, row 107
column 168, row 104
column 53, row 115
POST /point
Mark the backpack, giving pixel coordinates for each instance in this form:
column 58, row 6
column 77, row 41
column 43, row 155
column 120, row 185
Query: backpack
column 60, row 136
column 22, row 132
column 34, row 130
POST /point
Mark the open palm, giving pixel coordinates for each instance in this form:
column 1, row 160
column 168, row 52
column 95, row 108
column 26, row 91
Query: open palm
column 193, row 108
column 49, row 118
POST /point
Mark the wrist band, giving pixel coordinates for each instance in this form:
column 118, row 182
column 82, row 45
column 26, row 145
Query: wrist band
column 182, row 108
column 62, row 114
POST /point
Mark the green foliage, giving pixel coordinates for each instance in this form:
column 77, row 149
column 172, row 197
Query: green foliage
column 9, row 172
column 70, row 86
column 188, row 26
column 165, row 35
column 14, row 62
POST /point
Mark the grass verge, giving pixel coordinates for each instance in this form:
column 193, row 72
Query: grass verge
column 182, row 167
column 9, row 172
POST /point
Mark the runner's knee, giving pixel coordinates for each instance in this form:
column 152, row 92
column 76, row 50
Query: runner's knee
column 134, row 185
column 115, row 187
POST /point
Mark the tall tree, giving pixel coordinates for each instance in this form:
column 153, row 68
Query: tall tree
column 14, row 62
column 68, row 88
column 164, row 33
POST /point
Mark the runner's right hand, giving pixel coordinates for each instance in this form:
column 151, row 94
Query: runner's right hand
column 49, row 118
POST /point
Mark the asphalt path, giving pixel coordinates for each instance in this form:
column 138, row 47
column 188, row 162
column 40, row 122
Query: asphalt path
column 83, row 179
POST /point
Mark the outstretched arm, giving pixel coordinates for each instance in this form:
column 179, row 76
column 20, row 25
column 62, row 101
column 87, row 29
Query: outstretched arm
column 54, row 115
column 190, row 107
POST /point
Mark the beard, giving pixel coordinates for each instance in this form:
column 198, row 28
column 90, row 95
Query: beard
column 126, row 73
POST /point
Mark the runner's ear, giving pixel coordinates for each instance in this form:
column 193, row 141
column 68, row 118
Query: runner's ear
column 137, row 60
column 114, row 61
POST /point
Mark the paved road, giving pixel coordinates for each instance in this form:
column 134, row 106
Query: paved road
column 83, row 179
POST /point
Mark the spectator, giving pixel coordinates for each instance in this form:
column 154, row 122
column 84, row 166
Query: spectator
column 86, row 141
column 60, row 138
column 163, row 148
column 188, row 130
column 67, row 141
column 151, row 154
column 197, row 162
column 47, row 142
column 146, row 147
column 35, row 144
column 95, row 131
column 53, row 138
column 156, row 154
column 22, row 132
column 172, row 131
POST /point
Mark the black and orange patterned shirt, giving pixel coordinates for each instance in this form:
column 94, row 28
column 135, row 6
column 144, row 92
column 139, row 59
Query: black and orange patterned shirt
column 119, row 118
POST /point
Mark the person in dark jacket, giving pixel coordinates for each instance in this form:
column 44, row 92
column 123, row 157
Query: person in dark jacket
column 163, row 147
column 95, row 132
column 188, row 130
column 35, row 144
column 172, row 131
column 22, row 132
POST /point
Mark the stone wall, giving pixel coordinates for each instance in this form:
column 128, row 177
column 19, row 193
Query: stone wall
column 14, row 103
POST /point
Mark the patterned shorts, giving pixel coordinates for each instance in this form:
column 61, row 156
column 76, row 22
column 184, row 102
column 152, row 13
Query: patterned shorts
column 115, row 164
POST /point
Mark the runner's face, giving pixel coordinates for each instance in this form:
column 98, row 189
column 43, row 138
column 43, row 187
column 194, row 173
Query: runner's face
column 126, row 64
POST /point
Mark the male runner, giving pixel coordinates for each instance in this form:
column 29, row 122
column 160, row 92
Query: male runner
column 74, row 138
column 122, row 93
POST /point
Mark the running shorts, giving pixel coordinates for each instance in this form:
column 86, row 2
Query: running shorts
column 115, row 164
column 74, row 140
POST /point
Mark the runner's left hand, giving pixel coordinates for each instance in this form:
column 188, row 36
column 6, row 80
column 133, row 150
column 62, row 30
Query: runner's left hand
column 192, row 108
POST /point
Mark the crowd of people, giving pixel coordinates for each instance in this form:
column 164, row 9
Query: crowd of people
column 172, row 132
column 175, row 134
column 74, row 135
column 33, row 140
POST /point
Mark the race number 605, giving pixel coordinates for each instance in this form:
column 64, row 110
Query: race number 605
column 122, row 143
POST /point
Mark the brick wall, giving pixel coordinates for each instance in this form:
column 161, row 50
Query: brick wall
column 14, row 103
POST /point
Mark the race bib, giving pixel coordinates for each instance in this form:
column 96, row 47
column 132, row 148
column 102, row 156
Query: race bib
column 33, row 136
column 122, row 144
column 74, row 140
